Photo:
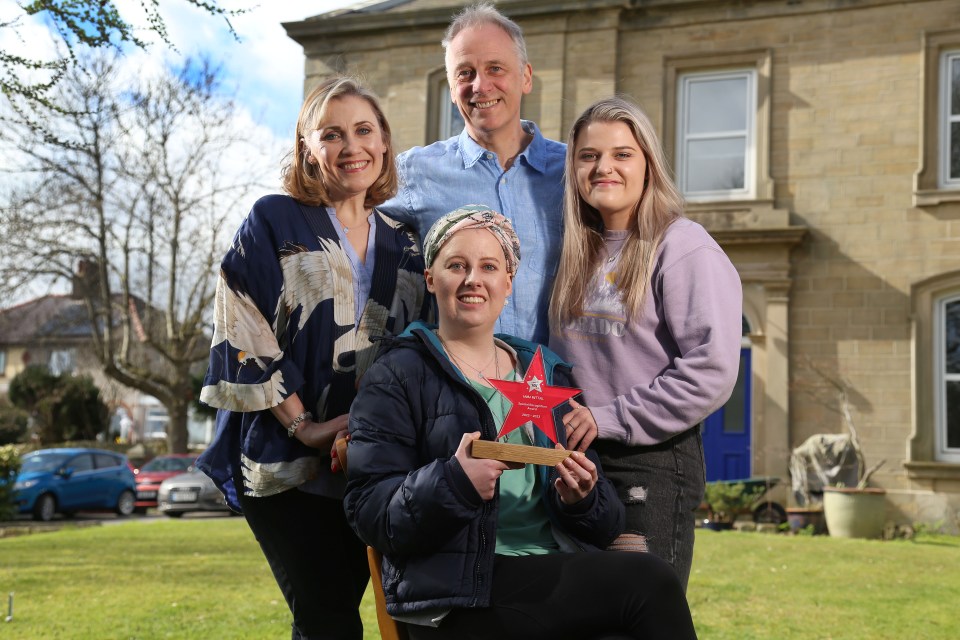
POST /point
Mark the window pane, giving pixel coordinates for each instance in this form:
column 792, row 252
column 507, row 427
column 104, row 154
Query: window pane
column 83, row 462
column 954, row 150
column 105, row 462
column 955, row 86
column 718, row 105
column 715, row 165
column 952, row 425
column 951, row 324
column 733, row 410
column 451, row 122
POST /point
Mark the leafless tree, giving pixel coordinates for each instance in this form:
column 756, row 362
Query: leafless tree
column 131, row 194
column 26, row 79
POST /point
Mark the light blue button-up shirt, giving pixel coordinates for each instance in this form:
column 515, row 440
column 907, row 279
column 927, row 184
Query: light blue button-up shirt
column 441, row 177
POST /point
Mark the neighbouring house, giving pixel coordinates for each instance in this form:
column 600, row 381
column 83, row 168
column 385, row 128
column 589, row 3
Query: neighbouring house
column 54, row 331
column 817, row 140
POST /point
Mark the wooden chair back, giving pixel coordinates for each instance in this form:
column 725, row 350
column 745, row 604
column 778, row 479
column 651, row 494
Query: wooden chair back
column 390, row 629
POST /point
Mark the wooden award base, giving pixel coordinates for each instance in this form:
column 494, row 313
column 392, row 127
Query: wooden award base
column 518, row 453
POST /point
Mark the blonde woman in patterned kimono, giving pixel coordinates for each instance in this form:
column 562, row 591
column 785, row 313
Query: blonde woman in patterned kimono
column 311, row 279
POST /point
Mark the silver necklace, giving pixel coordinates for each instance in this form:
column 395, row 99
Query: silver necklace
column 460, row 361
column 347, row 229
column 616, row 254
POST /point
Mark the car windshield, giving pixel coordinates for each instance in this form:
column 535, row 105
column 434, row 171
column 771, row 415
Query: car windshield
column 41, row 461
column 168, row 464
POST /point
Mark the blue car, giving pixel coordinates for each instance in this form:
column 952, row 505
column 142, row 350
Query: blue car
column 68, row 480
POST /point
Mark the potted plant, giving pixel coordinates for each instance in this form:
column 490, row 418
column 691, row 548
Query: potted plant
column 807, row 519
column 859, row 511
column 725, row 500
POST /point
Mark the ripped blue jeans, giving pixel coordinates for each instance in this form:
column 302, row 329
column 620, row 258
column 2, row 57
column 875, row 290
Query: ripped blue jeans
column 661, row 486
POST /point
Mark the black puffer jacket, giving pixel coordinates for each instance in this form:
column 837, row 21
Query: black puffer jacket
column 408, row 496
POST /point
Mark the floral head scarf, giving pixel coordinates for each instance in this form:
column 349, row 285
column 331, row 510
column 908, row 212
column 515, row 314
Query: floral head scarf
column 473, row 216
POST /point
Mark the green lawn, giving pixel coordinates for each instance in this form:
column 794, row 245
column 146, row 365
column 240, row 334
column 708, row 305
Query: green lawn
column 205, row 578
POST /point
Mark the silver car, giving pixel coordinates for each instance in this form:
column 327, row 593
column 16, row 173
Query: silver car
column 188, row 492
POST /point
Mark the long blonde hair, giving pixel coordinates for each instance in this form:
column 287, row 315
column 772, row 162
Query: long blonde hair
column 659, row 206
column 302, row 180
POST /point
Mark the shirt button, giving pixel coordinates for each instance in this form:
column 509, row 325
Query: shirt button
column 489, row 156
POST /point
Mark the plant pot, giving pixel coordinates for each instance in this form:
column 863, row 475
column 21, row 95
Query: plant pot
column 854, row 513
column 802, row 517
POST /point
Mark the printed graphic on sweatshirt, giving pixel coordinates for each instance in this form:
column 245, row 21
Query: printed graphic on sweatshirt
column 603, row 312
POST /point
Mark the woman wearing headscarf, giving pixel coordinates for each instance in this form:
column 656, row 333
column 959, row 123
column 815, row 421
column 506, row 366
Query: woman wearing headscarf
column 480, row 548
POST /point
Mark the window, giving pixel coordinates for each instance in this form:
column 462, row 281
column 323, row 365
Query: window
column 3, row 363
column 934, row 447
column 947, row 375
column 61, row 362
column 106, row 461
column 716, row 130
column 936, row 183
column 443, row 118
column 716, row 141
column 950, row 120
column 81, row 463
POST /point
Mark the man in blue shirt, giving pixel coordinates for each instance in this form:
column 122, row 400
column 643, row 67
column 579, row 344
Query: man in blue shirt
column 498, row 160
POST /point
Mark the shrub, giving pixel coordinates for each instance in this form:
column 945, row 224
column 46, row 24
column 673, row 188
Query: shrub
column 64, row 407
column 13, row 424
column 9, row 467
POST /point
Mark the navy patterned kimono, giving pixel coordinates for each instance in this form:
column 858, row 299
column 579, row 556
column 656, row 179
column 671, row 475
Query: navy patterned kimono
column 285, row 324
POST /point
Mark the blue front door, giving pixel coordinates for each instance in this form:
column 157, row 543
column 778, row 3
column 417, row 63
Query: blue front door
column 726, row 432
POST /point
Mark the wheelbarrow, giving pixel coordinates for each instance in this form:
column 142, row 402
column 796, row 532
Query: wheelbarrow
column 754, row 500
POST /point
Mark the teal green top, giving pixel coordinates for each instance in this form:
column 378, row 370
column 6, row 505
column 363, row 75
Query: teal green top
column 523, row 528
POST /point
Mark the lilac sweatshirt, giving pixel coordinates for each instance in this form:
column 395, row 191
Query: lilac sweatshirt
column 648, row 380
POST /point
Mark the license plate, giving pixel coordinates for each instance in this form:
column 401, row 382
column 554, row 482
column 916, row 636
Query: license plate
column 145, row 495
column 183, row 496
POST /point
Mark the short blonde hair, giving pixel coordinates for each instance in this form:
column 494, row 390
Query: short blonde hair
column 303, row 180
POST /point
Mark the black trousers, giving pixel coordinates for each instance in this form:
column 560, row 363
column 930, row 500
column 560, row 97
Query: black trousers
column 661, row 486
column 317, row 560
column 574, row 595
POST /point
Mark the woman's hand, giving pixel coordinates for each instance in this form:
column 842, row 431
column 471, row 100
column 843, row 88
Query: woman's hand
column 577, row 477
column 483, row 473
column 581, row 427
column 321, row 435
column 336, row 465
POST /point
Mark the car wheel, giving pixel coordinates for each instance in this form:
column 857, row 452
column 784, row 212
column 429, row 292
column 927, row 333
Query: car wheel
column 174, row 514
column 125, row 503
column 45, row 507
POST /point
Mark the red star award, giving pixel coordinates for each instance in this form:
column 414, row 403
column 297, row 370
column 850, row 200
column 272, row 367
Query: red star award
column 532, row 400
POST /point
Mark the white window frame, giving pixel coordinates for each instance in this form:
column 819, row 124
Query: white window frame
column 62, row 362
column 749, row 134
column 440, row 108
column 942, row 453
column 447, row 119
column 947, row 59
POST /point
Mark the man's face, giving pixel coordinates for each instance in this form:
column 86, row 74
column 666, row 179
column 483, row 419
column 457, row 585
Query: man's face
column 487, row 80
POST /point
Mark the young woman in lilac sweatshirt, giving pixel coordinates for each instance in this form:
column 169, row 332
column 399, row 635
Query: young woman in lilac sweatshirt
column 648, row 308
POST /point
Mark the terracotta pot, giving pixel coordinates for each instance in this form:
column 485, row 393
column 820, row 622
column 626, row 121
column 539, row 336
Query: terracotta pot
column 802, row 517
column 854, row 513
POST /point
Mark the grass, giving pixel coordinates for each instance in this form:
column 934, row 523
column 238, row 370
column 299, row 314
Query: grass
column 206, row 578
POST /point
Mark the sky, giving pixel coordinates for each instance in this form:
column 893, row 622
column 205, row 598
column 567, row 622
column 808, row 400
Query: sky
column 265, row 67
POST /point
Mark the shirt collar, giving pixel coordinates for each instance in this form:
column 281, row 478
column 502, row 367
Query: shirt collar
column 533, row 154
